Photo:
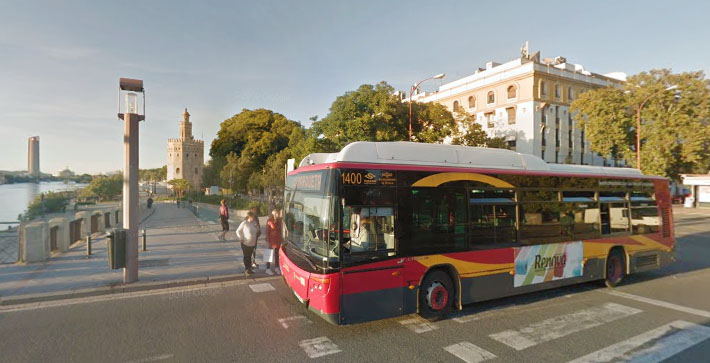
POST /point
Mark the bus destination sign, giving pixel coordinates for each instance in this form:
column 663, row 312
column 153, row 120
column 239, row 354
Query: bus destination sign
column 367, row 177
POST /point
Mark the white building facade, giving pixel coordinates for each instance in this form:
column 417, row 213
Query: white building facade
column 527, row 102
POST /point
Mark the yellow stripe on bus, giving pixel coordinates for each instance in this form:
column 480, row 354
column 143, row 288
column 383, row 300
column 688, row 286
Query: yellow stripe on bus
column 441, row 178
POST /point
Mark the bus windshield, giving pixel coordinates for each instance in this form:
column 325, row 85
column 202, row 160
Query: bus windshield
column 308, row 224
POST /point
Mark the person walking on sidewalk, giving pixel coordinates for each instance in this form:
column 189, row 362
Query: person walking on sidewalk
column 273, row 240
column 255, row 211
column 247, row 234
column 223, row 219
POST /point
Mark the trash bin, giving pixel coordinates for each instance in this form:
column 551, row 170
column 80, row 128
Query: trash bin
column 689, row 201
column 116, row 243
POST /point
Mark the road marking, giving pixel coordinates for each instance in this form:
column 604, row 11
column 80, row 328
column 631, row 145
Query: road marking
column 152, row 359
column 657, row 345
column 685, row 309
column 418, row 325
column 481, row 315
column 284, row 321
column 124, row 295
column 263, row 287
column 319, row 347
column 469, row 353
column 564, row 325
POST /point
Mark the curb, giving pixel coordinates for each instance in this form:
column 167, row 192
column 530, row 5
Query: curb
column 121, row 288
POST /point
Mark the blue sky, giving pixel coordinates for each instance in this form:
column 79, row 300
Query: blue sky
column 60, row 61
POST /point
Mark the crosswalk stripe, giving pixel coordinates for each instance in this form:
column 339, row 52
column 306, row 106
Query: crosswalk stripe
column 263, row 287
column 667, row 305
column 319, row 347
column 563, row 325
column 469, row 352
column 418, row 325
column 668, row 340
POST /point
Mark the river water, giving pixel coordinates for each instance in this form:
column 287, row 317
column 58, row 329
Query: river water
column 14, row 198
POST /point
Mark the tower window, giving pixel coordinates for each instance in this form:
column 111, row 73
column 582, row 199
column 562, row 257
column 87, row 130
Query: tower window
column 177, row 171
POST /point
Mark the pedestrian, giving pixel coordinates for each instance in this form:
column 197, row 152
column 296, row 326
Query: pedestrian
column 255, row 211
column 273, row 240
column 247, row 233
column 223, row 219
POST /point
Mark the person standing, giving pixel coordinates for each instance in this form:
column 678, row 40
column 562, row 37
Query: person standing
column 247, row 234
column 255, row 211
column 273, row 240
column 223, row 219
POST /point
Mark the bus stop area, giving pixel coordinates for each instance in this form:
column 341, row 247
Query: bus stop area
column 182, row 249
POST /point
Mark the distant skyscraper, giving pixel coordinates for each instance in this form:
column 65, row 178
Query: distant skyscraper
column 33, row 156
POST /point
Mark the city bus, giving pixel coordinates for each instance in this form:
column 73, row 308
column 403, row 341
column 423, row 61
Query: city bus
column 382, row 229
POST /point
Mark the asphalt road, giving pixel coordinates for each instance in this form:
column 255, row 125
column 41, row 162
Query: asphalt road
column 653, row 317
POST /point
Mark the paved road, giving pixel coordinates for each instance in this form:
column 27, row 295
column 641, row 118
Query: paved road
column 653, row 317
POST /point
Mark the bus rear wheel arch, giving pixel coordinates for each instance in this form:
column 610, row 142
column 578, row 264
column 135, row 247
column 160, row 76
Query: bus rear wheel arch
column 437, row 295
column 615, row 267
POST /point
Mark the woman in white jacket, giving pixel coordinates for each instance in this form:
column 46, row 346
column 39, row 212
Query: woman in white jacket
column 247, row 234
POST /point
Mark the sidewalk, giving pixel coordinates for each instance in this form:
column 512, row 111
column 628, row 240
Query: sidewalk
column 182, row 250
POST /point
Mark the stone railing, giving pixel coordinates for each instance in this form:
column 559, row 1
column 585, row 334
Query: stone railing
column 38, row 240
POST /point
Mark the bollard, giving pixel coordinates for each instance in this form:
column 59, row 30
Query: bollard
column 144, row 246
column 88, row 245
column 197, row 210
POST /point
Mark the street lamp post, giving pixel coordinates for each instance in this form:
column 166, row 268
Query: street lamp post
column 129, row 113
column 638, row 122
column 415, row 87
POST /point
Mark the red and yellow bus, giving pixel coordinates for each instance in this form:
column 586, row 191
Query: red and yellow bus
column 385, row 229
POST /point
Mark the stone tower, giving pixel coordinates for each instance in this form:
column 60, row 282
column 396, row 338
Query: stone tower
column 186, row 155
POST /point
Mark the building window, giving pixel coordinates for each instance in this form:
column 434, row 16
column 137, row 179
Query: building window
column 456, row 105
column 491, row 97
column 569, row 139
column 557, row 91
column 557, row 157
column 582, row 141
column 569, row 120
column 543, row 88
column 511, row 145
column 489, row 119
column 557, row 140
column 544, row 117
column 511, row 115
column 187, row 155
column 512, row 92
column 570, row 94
column 196, row 172
column 472, row 102
column 177, row 171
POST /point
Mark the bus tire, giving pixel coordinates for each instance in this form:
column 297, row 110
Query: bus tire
column 615, row 267
column 436, row 295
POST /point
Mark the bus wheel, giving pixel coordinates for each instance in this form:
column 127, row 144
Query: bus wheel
column 615, row 268
column 436, row 295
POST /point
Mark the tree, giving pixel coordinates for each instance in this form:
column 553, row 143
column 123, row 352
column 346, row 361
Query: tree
column 156, row 174
column 675, row 126
column 179, row 186
column 246, row 141
column 104, row 187
column 374, row 113
column 49, row 202
column 470, row 133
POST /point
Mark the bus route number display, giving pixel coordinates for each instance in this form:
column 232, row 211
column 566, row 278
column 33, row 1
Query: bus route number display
column 367, row 177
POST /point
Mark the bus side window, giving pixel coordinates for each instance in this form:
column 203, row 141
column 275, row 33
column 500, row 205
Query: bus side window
column 438, row 220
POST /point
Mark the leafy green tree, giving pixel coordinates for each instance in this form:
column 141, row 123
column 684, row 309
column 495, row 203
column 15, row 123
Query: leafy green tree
column 374, row 113
column 180, row 186
column 156, row 174
column 246, row 141
column 675, row 123
column 104, row 187
column 470, row 133
column 49, row 202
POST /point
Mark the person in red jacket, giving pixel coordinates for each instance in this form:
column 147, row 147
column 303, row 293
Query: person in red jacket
column 273, row 240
